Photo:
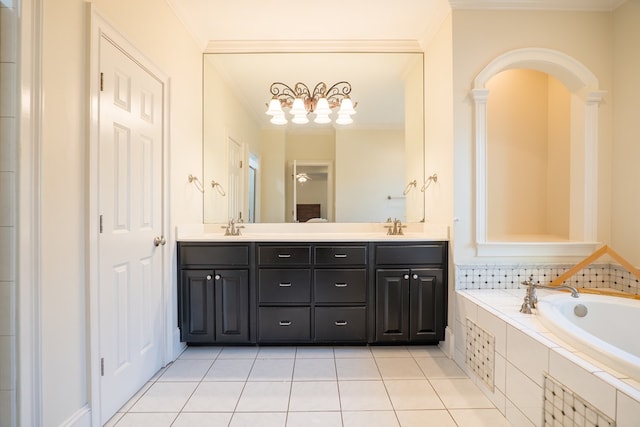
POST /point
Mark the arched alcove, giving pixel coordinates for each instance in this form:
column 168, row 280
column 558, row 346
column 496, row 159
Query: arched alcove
column 585, row 98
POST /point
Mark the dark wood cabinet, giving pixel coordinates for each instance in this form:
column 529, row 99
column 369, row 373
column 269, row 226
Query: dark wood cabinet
column 411, row 303
column 214, row 300
column 281, row 292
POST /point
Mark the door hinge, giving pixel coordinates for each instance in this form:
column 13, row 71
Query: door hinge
column 240, row 164
column 102, row 366
column 101, row 82
column 101, row 227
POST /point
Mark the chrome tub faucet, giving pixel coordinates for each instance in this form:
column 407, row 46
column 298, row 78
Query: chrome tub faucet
column 531, row 299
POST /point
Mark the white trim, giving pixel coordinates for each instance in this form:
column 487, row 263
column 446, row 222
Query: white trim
column 582, row 83
column 544, row 249
column 29, row 328
column 100, row 27
column 565, row 5
column 82, row 417
column 314, row 46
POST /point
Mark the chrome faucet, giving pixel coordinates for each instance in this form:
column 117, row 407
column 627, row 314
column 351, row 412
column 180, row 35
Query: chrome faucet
column 394, row 228
column 231, row 229
column 531, row 299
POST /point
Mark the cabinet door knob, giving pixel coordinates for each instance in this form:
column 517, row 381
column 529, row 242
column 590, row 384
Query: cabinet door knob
column 406, row 276
column 208, row 277
column 218, row 277
column 415, row 276
column 285, row 323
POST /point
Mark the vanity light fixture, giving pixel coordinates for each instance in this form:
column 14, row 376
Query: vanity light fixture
column 301, row 101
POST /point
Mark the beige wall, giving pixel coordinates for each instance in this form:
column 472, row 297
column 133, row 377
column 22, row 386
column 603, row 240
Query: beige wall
column 481, row 36
column 528, row 123
column 152, row 27
column 439, row 125
column 626, row 150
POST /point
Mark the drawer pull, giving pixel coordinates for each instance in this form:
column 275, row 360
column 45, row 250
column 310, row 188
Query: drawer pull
column 285, row 285
column 341, row 285
column 285, row 323
column 284, row 255
column 340, row 255
column 341, row 323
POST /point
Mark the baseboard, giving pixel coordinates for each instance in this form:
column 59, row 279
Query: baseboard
column 81, row 418
column 447, row 346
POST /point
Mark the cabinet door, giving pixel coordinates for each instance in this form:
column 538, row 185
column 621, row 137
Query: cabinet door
column 392, row 309
column 427, row 305
column 232, row 305
column 196, row 306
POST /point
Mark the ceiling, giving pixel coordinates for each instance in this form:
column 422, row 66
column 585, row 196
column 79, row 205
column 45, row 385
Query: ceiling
column 339, row 19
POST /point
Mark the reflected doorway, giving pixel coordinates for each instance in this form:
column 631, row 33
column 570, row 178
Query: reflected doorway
column 312, row 191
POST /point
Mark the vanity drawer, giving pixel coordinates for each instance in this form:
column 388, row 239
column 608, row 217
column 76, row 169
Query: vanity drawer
column 284, row 255
column 284, row 324
column 340, row 285
column 340, row 255
column 207, row 254
column 409, row 254
column 284, row 285
column 341, row 324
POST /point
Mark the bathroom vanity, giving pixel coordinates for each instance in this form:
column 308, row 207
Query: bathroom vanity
column 319, row 290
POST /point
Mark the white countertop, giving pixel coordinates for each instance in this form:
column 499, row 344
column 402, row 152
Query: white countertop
column 314, row 232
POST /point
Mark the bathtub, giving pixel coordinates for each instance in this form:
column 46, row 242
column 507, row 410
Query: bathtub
column 603, row 327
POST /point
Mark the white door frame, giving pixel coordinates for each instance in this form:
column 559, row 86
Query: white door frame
column 99, row 28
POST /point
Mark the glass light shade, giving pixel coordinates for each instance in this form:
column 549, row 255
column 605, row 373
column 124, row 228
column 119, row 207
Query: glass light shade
column 322, row 107
column 344, row 119
column 346, row 107
column 297, row 109
column 278, row 119
column 300, row 119
column 322, row 119
column 275, row 107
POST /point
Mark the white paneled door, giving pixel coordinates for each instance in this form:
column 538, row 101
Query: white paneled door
column 130, row 240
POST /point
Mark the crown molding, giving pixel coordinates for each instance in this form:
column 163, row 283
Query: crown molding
column 557, row 5
column 321, row 46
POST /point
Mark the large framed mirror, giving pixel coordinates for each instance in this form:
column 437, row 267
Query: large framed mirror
column 376, row 163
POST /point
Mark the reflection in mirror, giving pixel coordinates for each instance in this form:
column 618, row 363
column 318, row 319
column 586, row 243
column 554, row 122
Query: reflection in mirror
column 369, row 162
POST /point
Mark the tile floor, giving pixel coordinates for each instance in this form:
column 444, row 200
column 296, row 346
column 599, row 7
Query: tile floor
column 310, row 386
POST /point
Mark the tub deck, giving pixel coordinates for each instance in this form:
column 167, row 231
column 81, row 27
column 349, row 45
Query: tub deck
column 525, row 350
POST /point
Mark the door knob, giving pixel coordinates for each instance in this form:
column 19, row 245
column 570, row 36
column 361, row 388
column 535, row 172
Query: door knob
column 159, row 240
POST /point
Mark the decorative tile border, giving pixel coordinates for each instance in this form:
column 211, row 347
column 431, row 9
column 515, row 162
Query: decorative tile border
column 610, row 276
column 563, row 407
column 480, row 353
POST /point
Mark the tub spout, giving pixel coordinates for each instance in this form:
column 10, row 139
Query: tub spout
column 574, row 291
column 531, row 299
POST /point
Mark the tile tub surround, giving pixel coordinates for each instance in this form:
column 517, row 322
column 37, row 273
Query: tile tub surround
column 289, row 386
column 525, row 350
column 608, row 276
